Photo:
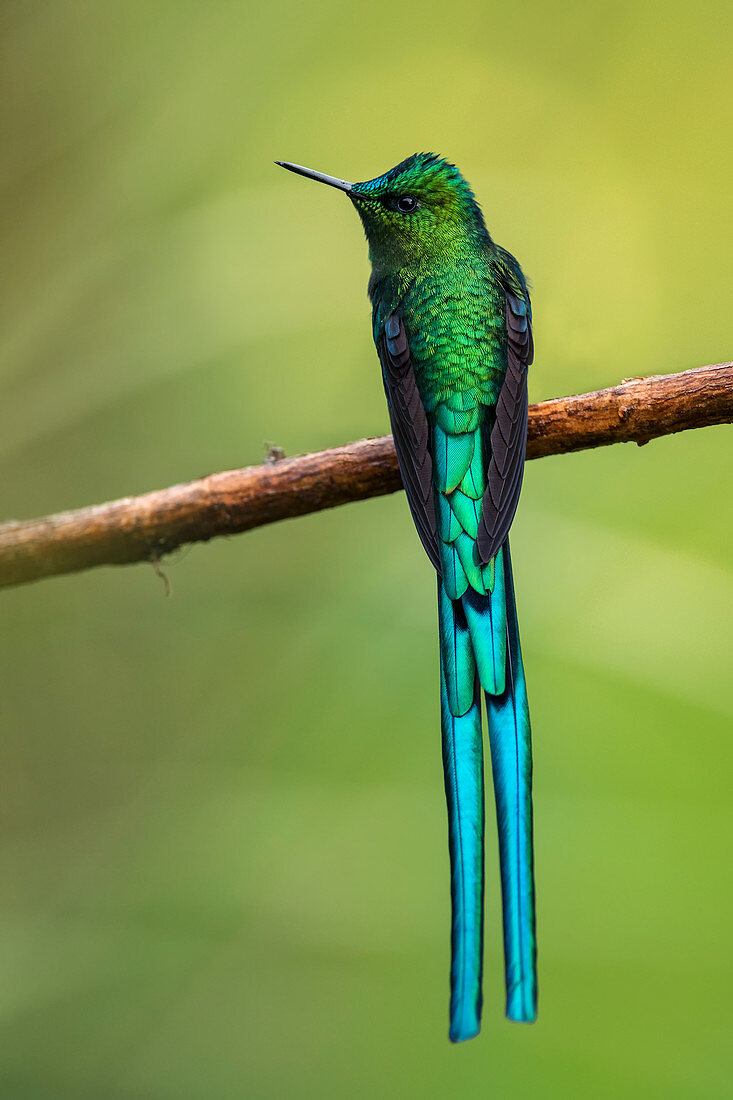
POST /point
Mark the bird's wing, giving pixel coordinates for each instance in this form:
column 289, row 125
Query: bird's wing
column 409, row 428
column 508, row 441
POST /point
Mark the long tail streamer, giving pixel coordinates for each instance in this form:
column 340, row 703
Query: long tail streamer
column 479, row 647
column 511, row 761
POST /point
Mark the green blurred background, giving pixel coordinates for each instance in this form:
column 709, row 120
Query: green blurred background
column 224, row 866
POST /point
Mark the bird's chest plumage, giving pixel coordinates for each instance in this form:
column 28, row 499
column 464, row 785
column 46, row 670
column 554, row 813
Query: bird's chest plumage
column 454, row 319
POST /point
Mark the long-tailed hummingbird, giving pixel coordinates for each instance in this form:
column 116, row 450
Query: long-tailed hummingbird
column 452, row 324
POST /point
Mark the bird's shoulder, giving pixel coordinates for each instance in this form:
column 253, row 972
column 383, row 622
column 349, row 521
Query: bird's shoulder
column 508, row 273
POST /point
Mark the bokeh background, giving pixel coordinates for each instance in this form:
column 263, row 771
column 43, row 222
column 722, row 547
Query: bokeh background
column 224, row 866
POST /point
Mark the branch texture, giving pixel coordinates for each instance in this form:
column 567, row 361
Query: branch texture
column 146, row 527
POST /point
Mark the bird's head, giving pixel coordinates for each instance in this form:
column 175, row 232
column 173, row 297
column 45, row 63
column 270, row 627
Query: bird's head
column 421, row 210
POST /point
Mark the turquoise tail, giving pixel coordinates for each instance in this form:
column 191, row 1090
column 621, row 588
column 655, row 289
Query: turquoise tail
column 463, row 764
column 511, row 761
column 479, row 647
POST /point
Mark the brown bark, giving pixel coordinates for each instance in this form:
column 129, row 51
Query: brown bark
column 146, row 527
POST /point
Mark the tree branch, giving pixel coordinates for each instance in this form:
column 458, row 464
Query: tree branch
column 144, row 528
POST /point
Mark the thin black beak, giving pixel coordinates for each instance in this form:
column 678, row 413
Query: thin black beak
column 332, row 181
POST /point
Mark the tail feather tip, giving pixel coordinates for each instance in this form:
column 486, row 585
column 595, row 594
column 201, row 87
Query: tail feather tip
column 521, row 1006
column 463, row 1029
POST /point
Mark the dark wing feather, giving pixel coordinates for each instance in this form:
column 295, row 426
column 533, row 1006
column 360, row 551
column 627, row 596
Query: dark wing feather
column 410, row 431
column 508, row 442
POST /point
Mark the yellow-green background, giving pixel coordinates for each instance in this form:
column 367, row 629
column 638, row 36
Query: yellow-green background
column 224, row 867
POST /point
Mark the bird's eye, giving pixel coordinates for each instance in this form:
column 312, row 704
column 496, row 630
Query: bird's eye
column 406, row 204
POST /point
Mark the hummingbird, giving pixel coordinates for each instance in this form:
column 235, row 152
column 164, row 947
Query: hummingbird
column 452, row 324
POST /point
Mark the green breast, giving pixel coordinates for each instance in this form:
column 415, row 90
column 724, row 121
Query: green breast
column 455, row 325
